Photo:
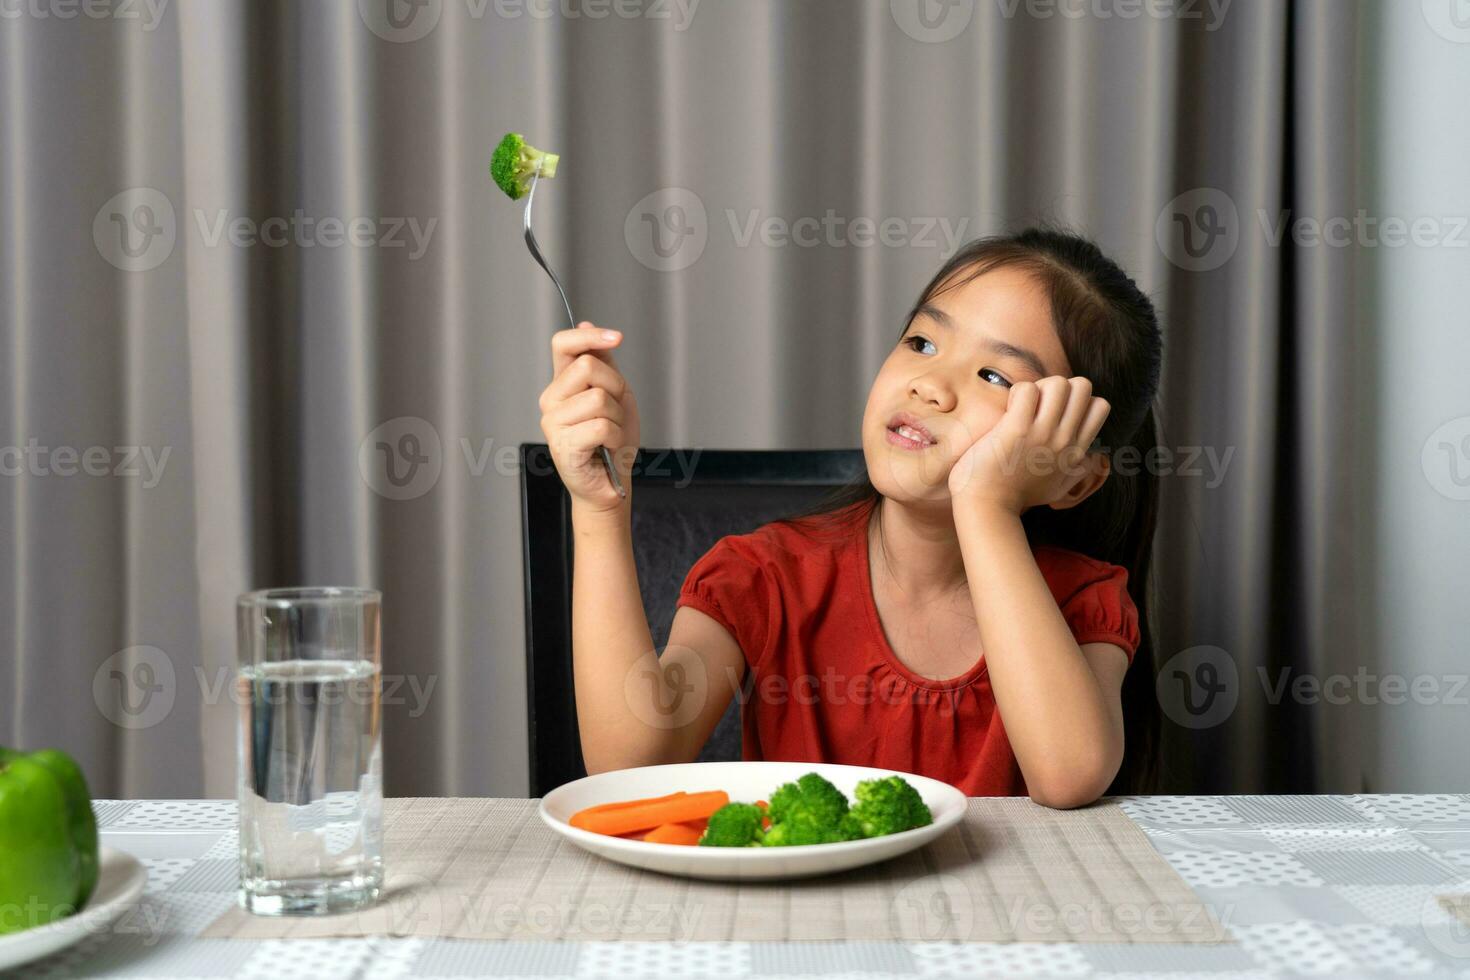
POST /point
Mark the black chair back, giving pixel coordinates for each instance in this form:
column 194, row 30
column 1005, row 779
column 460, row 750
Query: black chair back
column 683, row 502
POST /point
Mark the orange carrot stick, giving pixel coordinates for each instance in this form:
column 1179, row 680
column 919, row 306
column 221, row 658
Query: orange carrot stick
column 620, row 820
column 624, row 804
column 673, row 833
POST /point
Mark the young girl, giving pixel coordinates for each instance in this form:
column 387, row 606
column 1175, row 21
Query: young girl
column 972, row 610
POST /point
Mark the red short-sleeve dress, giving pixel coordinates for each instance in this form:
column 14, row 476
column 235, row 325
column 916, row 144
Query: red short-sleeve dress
column 822, row 682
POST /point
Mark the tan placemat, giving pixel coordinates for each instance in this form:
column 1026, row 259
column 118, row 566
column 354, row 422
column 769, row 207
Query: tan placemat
column 1010, row 871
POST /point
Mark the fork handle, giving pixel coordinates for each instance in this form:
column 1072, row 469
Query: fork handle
column 612, row 471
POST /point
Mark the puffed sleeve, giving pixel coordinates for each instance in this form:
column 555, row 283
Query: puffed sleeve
column 1094, row 600
column 730, row 584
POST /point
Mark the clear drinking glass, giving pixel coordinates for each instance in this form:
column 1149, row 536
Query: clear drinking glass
column 310, row 752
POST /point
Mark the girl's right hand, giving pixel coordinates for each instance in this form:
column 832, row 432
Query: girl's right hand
column 589, row 404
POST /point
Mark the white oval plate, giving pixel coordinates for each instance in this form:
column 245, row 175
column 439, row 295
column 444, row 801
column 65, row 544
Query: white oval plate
column 120, row 880
column 746, row 782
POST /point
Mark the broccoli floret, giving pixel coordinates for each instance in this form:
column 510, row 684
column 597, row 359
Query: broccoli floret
column 733, row 825
column 885, row 806
column 515, row 161
column 808, row 811
column 811, row 794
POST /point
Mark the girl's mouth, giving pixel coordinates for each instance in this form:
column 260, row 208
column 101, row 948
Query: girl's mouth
column 906, row 438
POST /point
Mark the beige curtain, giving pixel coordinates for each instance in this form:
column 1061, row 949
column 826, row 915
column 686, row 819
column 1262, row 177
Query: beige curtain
column 259, row 238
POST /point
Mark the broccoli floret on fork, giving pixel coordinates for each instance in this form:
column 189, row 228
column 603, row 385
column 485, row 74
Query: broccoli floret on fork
column 515, row 162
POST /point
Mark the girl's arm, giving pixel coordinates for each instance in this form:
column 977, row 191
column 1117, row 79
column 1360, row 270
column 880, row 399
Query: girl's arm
column 1060, row 703
column 635, row 708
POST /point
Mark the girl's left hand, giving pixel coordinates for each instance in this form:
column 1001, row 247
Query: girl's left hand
column 1035, row 453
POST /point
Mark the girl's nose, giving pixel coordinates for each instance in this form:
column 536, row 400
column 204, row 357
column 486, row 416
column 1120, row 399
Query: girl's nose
column 932, row 389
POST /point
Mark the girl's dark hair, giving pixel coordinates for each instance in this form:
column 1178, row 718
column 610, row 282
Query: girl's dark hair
column 1111, row 336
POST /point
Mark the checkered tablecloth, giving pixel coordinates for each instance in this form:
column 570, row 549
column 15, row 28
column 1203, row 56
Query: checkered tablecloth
column 1316, row 885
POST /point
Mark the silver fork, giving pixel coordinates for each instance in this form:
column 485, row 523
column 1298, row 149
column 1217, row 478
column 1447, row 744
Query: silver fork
column 607, row 461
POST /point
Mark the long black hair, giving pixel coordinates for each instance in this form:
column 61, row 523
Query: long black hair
column 1110, row 334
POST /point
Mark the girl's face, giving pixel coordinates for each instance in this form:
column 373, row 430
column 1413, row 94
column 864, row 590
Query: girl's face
column 952, row 373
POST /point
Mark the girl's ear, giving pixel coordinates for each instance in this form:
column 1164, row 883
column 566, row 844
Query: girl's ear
column 1096, row 467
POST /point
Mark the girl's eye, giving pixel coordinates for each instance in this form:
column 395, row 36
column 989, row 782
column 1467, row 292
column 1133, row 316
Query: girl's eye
column 991, row 372
column 995, row 374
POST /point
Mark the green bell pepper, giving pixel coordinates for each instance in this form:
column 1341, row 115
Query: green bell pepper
column 48, row 838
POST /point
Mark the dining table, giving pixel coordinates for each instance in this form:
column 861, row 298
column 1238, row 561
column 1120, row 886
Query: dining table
column 1339, row 885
